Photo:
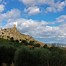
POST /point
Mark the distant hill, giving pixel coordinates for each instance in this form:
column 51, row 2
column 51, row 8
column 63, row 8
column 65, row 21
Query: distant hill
column 16, row 35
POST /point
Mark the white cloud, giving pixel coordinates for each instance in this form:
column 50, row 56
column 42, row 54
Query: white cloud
column 39, row 29
column 50, row 9
column 28, row 26
column 28, row 2
column 2, row 7
column 12, row 14
column 61, row 19
column 32, row 10
column 56, row 7
column 36, row 2
column 52, row 5
column 34, row 5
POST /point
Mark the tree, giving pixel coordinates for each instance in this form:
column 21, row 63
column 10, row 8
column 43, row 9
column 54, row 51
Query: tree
column 41, row 57
column 24, row 42
column 57, row 57
column 23, row 57
column 6, row 54
column 31, row 43
column 45, row 46
column 53, row 56
column 36, row 45
column 32, row 57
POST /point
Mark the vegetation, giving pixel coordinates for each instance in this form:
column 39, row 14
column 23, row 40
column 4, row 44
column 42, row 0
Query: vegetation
column 6, row 54
column 30, row 54
column 53, row 56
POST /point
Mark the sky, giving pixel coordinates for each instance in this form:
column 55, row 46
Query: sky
column 44, row 20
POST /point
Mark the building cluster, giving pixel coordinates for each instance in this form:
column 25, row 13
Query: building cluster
column 13, row 32
column 8, row 32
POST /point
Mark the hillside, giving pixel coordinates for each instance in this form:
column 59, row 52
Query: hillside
column 16, row 35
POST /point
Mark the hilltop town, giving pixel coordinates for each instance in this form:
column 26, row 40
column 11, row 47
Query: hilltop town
column 13, row 32
column 16, row 35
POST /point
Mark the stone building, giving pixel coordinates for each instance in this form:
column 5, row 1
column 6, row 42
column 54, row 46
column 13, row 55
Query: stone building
column 13, row 32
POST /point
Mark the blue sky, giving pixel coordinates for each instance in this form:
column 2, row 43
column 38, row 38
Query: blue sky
column 44, row 20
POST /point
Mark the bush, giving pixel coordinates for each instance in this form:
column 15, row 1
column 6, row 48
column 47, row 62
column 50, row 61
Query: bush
column 23, row 57
column 53, row 56
column 31, row 57
column 6, row 54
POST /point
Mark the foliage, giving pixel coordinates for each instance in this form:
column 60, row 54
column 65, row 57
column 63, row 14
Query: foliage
column 53, row 56
column 45, row 46
column 6, row 54
column 23, row 57
column 36, row 45
column 30, row 54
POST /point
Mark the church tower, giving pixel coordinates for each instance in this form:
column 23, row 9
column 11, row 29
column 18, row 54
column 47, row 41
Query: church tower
column 14, row 28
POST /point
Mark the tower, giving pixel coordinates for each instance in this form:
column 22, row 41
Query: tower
column 14, row 29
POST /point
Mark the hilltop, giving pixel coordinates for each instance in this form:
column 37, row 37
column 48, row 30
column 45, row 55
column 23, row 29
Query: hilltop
column 13, row 33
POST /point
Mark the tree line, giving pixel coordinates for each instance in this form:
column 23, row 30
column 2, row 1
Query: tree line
column 23, row 55
column 53, row 56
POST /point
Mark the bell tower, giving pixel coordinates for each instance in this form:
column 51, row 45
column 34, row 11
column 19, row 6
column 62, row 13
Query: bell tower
column 14, row 28
column 15, row 25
